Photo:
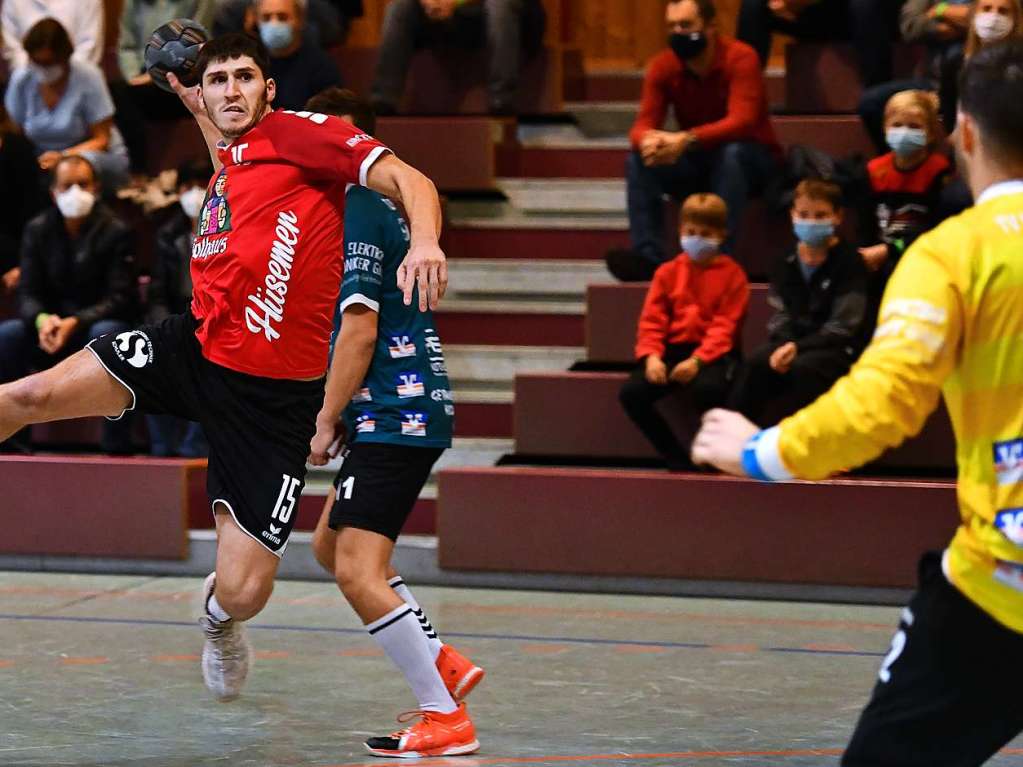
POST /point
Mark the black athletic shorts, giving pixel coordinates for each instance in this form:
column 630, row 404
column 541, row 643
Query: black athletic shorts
column 949, row 689
column 378, row 484
column 258, row 428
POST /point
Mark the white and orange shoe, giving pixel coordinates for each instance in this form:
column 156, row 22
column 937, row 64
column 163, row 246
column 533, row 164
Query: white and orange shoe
column 433, row 735
column 460, row 674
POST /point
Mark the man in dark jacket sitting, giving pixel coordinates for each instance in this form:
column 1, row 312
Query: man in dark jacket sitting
column 819, row 328
column 77, row 283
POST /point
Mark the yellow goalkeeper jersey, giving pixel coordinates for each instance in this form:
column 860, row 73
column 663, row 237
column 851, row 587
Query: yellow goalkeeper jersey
column 951, row 322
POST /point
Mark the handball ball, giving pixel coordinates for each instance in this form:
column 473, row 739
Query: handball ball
column 174, row 47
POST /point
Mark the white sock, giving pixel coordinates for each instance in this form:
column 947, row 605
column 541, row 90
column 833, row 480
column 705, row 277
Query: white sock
column 398, row 584
column 215, row 611
column 399, row 635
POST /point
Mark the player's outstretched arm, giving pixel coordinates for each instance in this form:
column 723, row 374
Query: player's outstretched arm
column 190, row 98
column 886, row 397
column 425, row 263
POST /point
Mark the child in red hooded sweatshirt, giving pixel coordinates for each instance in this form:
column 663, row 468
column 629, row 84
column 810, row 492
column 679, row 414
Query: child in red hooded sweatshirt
column 686, row 341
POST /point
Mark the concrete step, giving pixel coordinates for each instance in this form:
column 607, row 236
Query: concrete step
column 532, row 282
column 489, row 371
column 598, row 119
column 565, row 195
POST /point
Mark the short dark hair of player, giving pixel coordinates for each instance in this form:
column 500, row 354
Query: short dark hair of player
column 708, row 12
column 233, row 45
column 49, row 35
column 341, row 101
column 195, row 172
column 820, row 190
column 991, row 92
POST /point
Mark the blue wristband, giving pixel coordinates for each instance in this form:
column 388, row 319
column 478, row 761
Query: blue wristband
column 750, row 464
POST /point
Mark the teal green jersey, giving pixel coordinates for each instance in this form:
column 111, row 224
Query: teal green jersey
column 406, row 397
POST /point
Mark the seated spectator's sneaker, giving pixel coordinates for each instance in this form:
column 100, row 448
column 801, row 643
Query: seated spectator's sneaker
column 460, row 674
column 628, row 266
column 226, row 654
column 434, row 735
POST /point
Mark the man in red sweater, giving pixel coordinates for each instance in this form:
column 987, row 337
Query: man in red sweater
column 725, row 144
column 686, row 337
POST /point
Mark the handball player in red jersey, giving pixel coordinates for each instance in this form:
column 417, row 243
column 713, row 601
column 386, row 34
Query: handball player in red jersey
column 248, row 361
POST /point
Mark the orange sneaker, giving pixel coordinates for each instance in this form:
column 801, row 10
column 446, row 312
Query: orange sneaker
column 460, row 674
column 434, row 735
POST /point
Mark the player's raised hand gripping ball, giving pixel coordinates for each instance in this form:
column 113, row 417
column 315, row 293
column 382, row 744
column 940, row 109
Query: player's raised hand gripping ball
column 174, row 47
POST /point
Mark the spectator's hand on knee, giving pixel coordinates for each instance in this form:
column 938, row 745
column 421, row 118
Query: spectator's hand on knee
column 685, row 371
column 10, row 280
column 49, row 159
column 874, row 256
column 66, row 328
column 656, row 371
column 721, row 440
column 782, row 357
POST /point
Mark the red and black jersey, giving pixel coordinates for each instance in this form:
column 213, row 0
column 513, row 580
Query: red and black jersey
column 906, row 202
column 267, row 257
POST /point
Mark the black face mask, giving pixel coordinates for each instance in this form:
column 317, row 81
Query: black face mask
column 687, row 46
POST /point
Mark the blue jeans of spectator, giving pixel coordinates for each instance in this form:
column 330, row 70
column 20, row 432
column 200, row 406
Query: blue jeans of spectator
column 170, row 435
column 20, row 353
column 732, row 171
column 871, row 26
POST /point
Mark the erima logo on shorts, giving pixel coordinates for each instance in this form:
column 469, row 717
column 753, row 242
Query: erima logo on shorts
column 1010, row 522
column 1009, row 461
column 134, row 347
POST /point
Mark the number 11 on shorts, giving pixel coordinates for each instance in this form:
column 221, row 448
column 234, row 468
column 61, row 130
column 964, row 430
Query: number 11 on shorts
column 286, row 499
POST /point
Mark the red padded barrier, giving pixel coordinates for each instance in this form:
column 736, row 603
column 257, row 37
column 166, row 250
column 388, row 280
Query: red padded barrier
column 654, row 524
column 97, row 506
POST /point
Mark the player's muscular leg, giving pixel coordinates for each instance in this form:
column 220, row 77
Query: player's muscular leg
column 325, row 539
column 325, row 542
column 245, row 569
column 78, row 386
column 361, row 566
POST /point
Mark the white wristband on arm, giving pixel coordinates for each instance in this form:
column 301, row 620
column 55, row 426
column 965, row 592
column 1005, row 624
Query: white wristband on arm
column 761, row 459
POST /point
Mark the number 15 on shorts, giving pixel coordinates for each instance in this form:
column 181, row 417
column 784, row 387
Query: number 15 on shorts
column 286, row 499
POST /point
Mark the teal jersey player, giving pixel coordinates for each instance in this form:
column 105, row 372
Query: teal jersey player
column 406, row 397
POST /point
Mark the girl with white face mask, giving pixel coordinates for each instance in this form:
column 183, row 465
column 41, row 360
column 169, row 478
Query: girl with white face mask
column 992, row 21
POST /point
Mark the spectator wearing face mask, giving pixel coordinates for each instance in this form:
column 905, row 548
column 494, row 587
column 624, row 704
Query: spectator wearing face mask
column 64, row 107
column 725, row 144
column 818, row 330
column 686, row 341
column 906, row 183
column 300, row 67
column 170, row 292
column 326, row 21
column 941, row 26
column 77, row 283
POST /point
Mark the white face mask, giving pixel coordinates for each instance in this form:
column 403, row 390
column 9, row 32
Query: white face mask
column 47, row 75
column 991, row 26
column 191, row 201
column 75, row 202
